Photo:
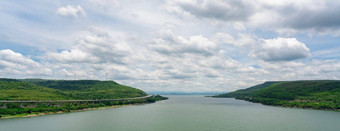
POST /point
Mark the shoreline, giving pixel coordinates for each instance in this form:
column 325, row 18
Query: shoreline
column 68, row 109
column 293, row 107
column 63, row 112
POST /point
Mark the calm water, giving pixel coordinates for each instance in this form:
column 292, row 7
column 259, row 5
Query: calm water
column 183, row 113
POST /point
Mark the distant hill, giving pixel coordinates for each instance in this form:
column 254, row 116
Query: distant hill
column 39, row 89
column 183, row 93
column 316, row 94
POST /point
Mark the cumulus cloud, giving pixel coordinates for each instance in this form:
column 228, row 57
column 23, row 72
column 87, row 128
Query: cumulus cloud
column 231, row 10
column 320, row 17
column 15, row 64
column 72, row 56
column 307, row 14
column 281, row 49
column 296, row 70
column 194, row 57
column 282, row 16
column 190, row 45
column 171, row 44
column 241, row 40
column 71, row 11
column 96, row 47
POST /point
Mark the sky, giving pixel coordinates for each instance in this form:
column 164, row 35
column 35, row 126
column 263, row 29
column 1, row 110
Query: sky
column 173, row 45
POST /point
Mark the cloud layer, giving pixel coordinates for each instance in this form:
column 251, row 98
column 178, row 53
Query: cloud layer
column 231, row 10
column 282, row 16
column 175, row 45
column 95, row 47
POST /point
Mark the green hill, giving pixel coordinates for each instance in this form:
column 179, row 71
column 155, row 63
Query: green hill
column 317, row 94
column 16, row 90
column 39, row 89
column 245, row 92
column 90, row 89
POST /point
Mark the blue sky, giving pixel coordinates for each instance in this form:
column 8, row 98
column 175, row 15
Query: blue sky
column 175, row 45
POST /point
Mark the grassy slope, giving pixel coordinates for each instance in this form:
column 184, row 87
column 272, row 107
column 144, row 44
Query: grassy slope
column 323, row 94
column 17, row 90
column 245, row 92
column 11, row 89
column 90, row 89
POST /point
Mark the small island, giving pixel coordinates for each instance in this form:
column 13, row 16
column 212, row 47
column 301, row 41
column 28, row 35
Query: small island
column 30, row 97
column 312, row 94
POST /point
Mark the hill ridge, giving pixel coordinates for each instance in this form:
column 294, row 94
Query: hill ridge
column 40, row 89
column 316, row 94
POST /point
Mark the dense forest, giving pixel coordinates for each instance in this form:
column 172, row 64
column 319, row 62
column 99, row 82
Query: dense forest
column 316, row 94
column 39, row 89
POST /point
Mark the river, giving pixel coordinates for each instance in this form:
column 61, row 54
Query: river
column 183, row 113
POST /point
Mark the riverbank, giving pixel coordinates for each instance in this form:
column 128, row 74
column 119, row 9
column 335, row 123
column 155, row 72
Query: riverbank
column 284, row 104
column 312, row 105
column 39, row 111
column 61, row 112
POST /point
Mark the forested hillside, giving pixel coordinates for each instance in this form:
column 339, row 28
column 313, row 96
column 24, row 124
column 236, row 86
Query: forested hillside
column 38, row 89
column 90, row 89
column 317, row 94
column 17, row 90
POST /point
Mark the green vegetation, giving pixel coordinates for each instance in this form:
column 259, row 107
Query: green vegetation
column 39, row 89
column 90, row 89
column 17, row 90
column 15, row 110
column 317, row 94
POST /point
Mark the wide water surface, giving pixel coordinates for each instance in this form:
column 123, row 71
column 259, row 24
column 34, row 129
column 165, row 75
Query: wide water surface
column 183, row 113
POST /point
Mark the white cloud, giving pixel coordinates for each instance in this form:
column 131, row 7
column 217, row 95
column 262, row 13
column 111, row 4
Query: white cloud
column 286, row 17
column 293, row 70
column 289, row 17
column 242, row 40
column 72, row 56
column 281, row 49
column 96, row 47
column 14, row 64
column 71, row 11
column 106, row 3
column 231, row 10
column 171, row 44
column 191, row 45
